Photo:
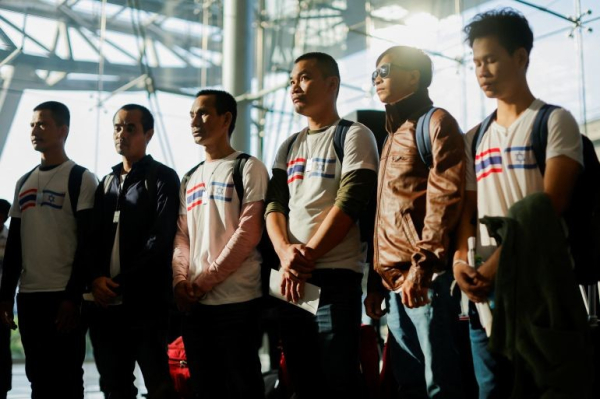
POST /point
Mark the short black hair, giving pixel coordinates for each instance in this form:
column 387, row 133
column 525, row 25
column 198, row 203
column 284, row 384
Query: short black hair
column 224, row 102
column 412, row 58
column 4, row 208
column 147, row 118
column 326, row 64
column 60, row 112
column 507, row 24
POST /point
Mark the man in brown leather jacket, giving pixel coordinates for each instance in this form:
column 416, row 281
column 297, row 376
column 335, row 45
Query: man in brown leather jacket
column 418, row 206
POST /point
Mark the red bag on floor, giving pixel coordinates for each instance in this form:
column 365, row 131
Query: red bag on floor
column 178, row 367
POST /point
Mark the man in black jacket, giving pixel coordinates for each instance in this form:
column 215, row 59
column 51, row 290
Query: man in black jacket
column 135, row 216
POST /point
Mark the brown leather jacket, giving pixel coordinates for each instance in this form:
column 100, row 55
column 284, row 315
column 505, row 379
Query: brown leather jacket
column 417, row 207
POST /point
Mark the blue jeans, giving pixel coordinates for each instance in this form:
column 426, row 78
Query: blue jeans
column 424, row 359
column 493, row 372
column 322, row 351
column 221, row 343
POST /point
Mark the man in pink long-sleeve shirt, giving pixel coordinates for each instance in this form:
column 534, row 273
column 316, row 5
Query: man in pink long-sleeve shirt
column 216, row 266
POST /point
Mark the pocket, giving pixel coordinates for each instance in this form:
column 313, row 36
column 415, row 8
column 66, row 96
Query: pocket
column 408, row 228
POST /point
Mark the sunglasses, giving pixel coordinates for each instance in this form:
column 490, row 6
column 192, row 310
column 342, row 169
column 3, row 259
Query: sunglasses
column 384, row 71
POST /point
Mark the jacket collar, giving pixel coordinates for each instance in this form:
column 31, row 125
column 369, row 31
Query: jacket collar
column 398, row 113
column 139, row 165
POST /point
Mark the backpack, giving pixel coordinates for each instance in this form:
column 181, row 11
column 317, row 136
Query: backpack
column 270, row 260
column 582, row 216
column 73, row 185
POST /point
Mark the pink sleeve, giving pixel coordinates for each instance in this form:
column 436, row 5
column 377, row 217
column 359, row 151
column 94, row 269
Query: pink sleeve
column 181, row 252
column 241, row 244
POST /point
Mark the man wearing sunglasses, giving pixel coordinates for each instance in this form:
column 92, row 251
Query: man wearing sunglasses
column 418, row 205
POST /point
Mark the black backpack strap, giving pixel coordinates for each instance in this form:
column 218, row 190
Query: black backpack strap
column 480, row 132
column 339, row 138
column 293, row 138
column 74, row 185
column 25, row 177
column 238, row 175
column 423, row 137
column 186, row 178
column 539, row 135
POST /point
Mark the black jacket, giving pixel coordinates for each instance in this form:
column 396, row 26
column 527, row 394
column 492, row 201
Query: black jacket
column 148, row 205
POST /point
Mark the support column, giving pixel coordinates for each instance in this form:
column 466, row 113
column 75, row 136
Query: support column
column 13, row 85
column 237, row 65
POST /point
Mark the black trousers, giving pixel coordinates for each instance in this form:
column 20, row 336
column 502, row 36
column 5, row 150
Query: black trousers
column 5, row 360
column 221, row 343
column 119, row 342
column 53, row 360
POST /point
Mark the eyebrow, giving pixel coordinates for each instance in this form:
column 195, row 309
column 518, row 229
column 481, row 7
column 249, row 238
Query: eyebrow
column 300, row 73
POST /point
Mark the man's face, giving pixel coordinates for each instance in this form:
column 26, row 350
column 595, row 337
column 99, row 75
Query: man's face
column 129, row 136
column 45, row 134
column 398, row 83
column 499, row 73
column 208, row 127
column 309, row 89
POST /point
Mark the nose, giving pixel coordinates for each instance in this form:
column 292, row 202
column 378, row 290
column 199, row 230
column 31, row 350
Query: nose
column 196, row 121
column 295, row 87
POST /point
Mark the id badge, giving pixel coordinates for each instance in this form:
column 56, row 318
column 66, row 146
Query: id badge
column 205, row 198
column 309, row 164
column 39, row 197
column 116, row 216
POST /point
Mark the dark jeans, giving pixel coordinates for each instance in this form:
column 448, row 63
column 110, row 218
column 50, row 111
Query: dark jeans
column 221, row 343
column 493, row 372
column 424, row 359
column 118, row 343
column 53, row 360
column 5, row 360
column 322, row 351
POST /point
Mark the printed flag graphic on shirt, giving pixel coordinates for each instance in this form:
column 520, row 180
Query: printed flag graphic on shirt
column 295, row 169
column 27, row 199
column 321, row 167
column 488, row 162
column 221, row 191
column 53, row 199
column 194, row 196
column 521, row 158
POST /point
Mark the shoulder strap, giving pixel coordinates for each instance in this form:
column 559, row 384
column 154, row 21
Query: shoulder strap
column 339, row 138
column 293, row 138
column 238, row 175
column 25, row 177
column 539, row 135
column 107, row 181
column 186, row 178
column 423, row 137
column 74, row 185
column 480, row 132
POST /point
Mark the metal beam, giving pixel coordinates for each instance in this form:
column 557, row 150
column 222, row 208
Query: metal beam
column 10, row 95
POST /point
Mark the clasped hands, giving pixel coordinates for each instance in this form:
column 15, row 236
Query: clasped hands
column 297, row 264
column 475, row 283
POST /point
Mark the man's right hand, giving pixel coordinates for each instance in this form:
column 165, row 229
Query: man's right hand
column 294, row 263
column 373, row 303
column 184, row 296
column 102, row 288
column 468, row 280
column 6, row 314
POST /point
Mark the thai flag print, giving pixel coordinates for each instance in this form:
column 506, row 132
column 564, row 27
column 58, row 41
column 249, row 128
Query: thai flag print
column 27, row 199
column 295, row 169
column 488, row 162
column 220, row 191
column 194, row 196
column 521, row 158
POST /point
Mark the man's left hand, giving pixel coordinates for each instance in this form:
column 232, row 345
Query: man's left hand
column 415, row 289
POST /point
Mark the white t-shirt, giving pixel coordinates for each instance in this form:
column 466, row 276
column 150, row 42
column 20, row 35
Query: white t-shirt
column 213, row 208
column 505, row 167
column 314, row 176
column 48, row 226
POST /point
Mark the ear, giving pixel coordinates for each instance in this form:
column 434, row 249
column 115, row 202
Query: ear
column 334, row 84
column 64, row 132
column 522, row 58
column 414, row 77
column 148, row 135
column 227, row 117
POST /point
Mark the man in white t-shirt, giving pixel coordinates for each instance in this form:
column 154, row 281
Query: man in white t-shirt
column 216, row 265
column 505, row 170
column 45, row 251
column 314, row 201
